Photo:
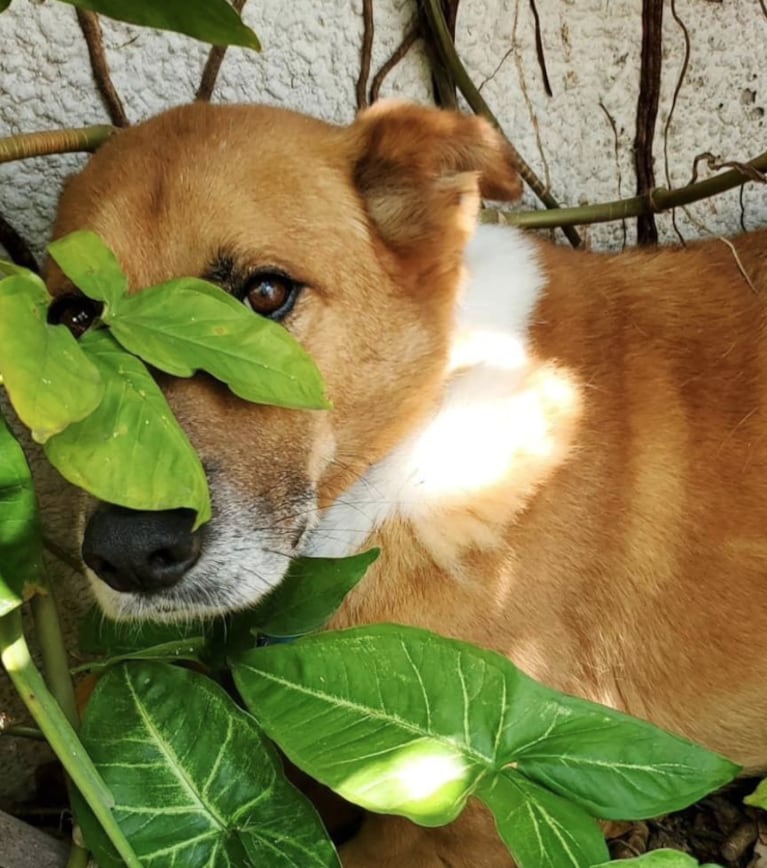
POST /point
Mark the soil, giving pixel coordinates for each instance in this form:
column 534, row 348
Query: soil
column 718, row 829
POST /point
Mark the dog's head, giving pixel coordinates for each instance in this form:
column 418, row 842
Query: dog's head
column 352, row 238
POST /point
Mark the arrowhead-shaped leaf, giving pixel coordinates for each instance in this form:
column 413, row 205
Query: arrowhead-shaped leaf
column 49, row 380
column 130, row 451
column 187, row 325
column 309, row 594
column 541, row 829
column 211, row 21
column 425, row 708
column 21, row 551
column 195, row 784
column 90, row 265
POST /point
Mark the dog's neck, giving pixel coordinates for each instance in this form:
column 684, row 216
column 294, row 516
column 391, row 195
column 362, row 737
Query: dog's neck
column 466, row 444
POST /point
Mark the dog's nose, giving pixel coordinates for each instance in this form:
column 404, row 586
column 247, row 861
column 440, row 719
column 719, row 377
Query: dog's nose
column 134, row 550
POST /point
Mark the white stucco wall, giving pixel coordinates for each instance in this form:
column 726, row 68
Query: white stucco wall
column 310, row 62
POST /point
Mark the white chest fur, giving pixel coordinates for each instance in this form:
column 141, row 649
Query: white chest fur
column 467, row 445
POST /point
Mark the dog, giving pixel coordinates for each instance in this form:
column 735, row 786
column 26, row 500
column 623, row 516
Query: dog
column 561, row 454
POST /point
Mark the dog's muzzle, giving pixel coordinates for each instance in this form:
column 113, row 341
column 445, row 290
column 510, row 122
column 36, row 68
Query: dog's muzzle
column 141, row 551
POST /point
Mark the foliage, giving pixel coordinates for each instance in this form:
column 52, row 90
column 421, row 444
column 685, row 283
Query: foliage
column 434, row 721
column 208, row 20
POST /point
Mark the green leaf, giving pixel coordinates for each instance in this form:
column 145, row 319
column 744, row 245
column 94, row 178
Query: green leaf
column 4, row 4
column 309, row 594
column 90, row 265
column 8, row 268
column 660, row 859
column 49, row 380
column 21, row 548
column 130, row 451
column 759, row 797
column 212, row 21
column 187, row 325
column 101, row 635
column 541, row 829
column 194, row 782
column 431, row 716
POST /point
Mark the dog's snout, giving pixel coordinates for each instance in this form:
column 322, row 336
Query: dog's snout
column 135, row 550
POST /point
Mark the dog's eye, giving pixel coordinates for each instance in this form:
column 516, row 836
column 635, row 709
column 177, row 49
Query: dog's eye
column 270, row 294
column 76, row 312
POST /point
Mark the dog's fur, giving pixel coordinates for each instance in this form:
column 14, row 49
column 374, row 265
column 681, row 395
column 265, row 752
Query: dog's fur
column 562, row 455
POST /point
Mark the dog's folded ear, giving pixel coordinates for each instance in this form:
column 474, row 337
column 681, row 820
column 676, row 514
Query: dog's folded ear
column 422, row 170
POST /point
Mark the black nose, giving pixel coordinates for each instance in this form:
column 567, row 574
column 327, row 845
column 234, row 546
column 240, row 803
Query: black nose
column 133, row 550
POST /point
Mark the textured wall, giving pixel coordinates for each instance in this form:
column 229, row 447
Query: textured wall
column 579, row 139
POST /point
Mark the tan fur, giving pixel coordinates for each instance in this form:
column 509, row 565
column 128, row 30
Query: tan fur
column 626, row 561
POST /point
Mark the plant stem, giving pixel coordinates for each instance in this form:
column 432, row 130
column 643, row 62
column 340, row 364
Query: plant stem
column 22, row 732
column 54, row 654
column 78, row 857
column 449, row 55
column 14, row 653
column 659, row 199
column 53, row 142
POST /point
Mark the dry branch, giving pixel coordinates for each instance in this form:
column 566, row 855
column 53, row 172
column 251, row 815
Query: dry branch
column 449, row 56
column 213, row 65
column 91, row 29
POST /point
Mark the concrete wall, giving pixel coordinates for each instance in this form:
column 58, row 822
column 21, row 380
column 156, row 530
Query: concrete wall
column 579, row 139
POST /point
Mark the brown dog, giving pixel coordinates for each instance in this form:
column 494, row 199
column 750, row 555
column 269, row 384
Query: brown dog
column 562, row 455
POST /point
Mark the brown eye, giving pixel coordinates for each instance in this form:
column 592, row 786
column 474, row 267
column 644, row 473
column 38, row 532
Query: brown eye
column 270, row 294
column 76, row 312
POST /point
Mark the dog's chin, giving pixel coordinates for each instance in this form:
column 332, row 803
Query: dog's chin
column 210, row 589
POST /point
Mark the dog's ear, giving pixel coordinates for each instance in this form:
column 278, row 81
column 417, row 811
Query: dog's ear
column 421, row 171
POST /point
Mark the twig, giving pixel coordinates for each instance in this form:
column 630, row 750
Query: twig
column 647, row 111
column 368, row 31
column 17, row 247
column 58, row 731
column 449, row 56
column 539, row 49
column 53, row 142
column 614, row 127
column 658, row 199
column 763, row 4
column 738, row 262
column 677, row 89
column 715, row 165
column 91, row 29
column 408, row 40
column 213, row 65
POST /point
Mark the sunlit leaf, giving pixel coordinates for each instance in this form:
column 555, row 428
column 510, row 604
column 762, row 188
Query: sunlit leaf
column 309, row 594
column 211, row 21
column 541, row 829
column 49, row 380
column 187, row 325
column 87, row 261
column 660, row 859
column 194, row 782
column 21, row 557
column 434, row 710
column 130, row 451
column 759, row 797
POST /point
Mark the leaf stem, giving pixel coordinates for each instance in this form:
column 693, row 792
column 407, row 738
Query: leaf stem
column 54, row 654
column 45, row 142
column 22, row 732
column 54, row 725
